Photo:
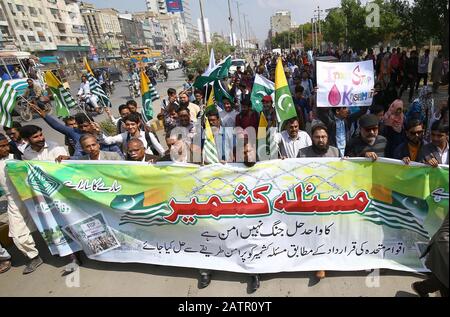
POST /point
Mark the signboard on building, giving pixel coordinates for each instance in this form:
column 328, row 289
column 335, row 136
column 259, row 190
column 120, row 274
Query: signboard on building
column 174, row 6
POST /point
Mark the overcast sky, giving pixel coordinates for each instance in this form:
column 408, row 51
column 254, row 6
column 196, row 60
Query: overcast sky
column 257, row 11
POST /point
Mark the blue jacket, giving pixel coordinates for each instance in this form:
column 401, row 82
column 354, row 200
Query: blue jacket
column 75, row 135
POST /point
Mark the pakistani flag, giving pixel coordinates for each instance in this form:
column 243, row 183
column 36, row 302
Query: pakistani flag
column 220, row 92
column 262, row 87
column 8, row 97
column 212, row 60
column 210, row 154
column 149, row 94
column 63, row 98
column 95, row 87
column 220, row 71
column 284, row 105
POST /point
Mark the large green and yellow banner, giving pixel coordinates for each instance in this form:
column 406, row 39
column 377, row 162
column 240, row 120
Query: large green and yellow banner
column 283, row 215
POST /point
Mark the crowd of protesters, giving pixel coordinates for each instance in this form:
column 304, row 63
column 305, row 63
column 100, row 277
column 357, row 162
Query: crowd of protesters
column 416, row 131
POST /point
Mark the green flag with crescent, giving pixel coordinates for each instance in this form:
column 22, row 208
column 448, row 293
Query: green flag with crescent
column 262, row 87
column 284, row 105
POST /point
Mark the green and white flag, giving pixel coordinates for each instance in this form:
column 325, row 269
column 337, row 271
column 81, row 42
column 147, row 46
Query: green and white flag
column 262, row 87
column 8, row 97
column 63, row 99
column 284, row 105
column 95, row 87
column 210, row 154
column 149, row 94
column 220, row 71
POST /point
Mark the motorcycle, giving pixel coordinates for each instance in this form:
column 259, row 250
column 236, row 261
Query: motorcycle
column 108, row 88
column 85, row 104
column 25, row 110
column 163, row 74
column 133, row 88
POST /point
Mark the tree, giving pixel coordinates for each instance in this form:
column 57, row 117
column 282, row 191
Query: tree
column 434, row 20
column 198, row 58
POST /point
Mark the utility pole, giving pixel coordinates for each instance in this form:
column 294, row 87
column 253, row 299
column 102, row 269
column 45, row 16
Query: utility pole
column 240, row 28
column 246, row 30
column 249, row 35
column 320, row 30
column 302, row 36
column 312, row 32
column 203, row 25
column 230, row 18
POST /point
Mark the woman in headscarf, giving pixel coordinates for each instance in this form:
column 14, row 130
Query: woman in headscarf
column 394, row 128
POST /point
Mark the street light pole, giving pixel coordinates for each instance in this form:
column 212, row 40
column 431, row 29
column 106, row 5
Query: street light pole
column 246, row 31
column 230, row 18
column 203, row 25
column 240, row 28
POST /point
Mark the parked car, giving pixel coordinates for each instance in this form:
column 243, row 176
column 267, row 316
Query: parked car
column 114, row 73
column 172, row 64
column 235, row 63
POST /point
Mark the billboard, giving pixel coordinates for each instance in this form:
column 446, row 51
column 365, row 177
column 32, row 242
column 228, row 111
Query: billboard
column 174, row 6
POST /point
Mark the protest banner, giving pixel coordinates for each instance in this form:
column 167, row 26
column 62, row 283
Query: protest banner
column 345, row 84
column 281, row 215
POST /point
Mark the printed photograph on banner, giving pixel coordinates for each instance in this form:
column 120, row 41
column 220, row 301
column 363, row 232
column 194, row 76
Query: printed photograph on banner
column 93, row 234
column 345, row 84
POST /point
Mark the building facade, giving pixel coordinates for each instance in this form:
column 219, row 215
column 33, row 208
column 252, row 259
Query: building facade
column 157, row 6
column 131, row 30
column 186, row 15
column 45, row 27
column 280, row 22
column 150, row 20
column 104, row 30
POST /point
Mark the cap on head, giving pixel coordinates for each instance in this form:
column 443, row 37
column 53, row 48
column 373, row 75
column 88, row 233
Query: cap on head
column 267, row 99
column 368, row 120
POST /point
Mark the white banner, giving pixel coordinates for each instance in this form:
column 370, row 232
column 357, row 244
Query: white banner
column 345, row 84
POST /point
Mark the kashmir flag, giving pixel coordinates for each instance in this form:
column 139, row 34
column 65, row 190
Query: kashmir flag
column 210, row 154
column 149, row 94
column 267, row 148
column 262, row 87
column 284, row 105
column 95, row 87
column 63, row 98
column 8, row 97
column 220, row 71
column 211, row 103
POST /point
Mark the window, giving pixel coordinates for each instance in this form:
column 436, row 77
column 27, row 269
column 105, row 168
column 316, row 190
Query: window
column 22, row 38
column 40, row 11
column 16, row 22
column 33, row 11
column 50, row 40
column 52, row 1
column 37, row 24
column 25, row 24
column 2, row 16
column 31, row 38
column 20, row 8
column 42, row 38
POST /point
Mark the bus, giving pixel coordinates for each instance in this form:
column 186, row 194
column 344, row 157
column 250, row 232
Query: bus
column 144, row 55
